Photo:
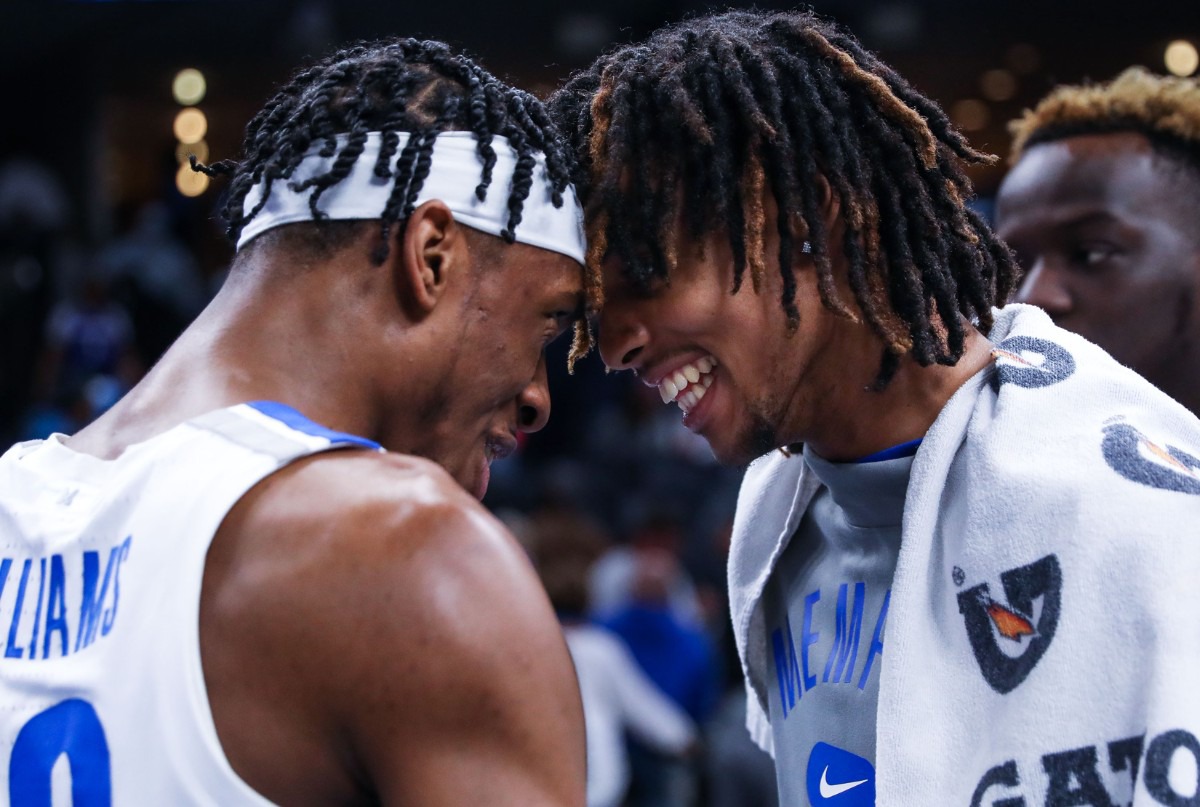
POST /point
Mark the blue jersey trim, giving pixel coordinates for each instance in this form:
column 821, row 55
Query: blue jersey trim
column 293, row 419
column 894, row 453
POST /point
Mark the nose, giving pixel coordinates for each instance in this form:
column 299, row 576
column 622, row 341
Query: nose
column 623, row 334
column 1044, row 287
column 534, row 401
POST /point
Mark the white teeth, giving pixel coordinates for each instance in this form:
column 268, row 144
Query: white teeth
column 689, row 399
column 668, row 389
column 687, row 385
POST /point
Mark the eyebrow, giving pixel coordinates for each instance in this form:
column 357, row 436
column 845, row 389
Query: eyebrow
column 1090, row 217
column 575, row 301
column 1071, row 220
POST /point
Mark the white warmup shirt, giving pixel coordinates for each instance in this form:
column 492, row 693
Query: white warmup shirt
column 102, row 695
column 826, row 608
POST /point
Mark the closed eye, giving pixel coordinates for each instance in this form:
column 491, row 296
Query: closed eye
column 559, row 322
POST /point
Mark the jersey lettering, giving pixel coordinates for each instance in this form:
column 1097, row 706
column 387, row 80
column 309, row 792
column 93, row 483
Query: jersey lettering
column 74, row 604
column 792, row 667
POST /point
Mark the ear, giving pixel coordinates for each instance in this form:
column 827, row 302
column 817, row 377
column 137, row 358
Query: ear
column 830, row 209
column 432, row 249
column 831, row 205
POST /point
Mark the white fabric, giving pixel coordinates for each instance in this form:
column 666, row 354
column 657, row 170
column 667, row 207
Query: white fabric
column 454, row 173
column 1059, row 454
column 133, row 534
column 617, row 696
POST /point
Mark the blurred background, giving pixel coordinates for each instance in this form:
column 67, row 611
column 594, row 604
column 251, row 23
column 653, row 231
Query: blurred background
column 109, row 246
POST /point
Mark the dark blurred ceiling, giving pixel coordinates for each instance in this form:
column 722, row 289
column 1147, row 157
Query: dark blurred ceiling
column 90, row 82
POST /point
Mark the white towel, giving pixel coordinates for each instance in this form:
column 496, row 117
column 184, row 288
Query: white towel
column 1043, row 638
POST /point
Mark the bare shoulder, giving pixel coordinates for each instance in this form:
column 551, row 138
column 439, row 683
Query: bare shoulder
column 373, row 498
column 421, row 656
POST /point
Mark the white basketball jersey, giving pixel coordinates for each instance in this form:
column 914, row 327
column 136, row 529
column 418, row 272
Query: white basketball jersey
column 102, row 695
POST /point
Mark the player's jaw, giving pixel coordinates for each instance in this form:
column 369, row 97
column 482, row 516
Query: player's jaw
column 466, row 445
column 497, row 445
column 473, row 470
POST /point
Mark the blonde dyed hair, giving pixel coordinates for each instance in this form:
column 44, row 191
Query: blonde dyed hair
column 1136, row 100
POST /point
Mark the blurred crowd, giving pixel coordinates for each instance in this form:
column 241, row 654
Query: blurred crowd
column 81, row 323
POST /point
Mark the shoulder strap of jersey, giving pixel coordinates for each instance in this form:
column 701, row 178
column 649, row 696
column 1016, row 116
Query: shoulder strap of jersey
column 277, row 430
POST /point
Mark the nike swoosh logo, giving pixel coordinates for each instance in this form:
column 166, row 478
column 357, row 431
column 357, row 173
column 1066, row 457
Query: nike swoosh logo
column 828, row 791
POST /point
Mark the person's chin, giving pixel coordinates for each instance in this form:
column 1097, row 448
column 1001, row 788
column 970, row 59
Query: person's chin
column 472, row 474
column 741, row 446
column 482, row 478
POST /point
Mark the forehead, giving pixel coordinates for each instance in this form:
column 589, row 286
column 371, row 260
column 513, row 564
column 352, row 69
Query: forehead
column 536, row 272
column 1116, row 173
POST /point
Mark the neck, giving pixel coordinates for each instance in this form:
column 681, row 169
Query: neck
column 1180, row 376
column 293, row 336
column 858, row 421
column 1182, row 383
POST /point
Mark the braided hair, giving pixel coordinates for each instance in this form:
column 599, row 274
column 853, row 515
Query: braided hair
column 402, row 85
column 729, row 106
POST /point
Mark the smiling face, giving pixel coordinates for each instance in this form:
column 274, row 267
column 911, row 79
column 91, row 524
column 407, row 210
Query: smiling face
column 742, row 379
column 514, row 301
column 1104, row 229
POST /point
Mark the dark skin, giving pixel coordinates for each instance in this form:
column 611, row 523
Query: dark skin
column 1105, row 228
column 368, row 631
column 772, row 386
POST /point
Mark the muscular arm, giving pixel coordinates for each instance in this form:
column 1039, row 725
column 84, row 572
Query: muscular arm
column 401, row 652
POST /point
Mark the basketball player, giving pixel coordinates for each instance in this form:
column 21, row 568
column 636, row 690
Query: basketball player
column 962, row 572
column 241, row 585
column 1101, row 208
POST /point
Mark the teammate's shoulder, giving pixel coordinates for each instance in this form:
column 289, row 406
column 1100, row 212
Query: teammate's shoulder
column 392, row 542
column 345, row 484
column 375, row 502
column 382, row 471
column 392, row 604
column 370, row 519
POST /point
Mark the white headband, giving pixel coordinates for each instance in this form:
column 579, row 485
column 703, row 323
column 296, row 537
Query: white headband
column 453, row 176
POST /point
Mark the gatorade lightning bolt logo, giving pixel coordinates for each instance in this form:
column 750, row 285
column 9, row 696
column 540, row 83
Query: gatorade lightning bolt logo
column 1008, row 639
column 1031, row 363
column 1009, row 623
column 1139, row 459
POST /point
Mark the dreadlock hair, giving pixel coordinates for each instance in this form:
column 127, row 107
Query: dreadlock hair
column 401, row 85
column 1164, row 109
column 727, row 107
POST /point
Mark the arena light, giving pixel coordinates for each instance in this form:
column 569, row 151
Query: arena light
column 998, row 85
column 1181, row 58
column 189, row 182
column 189, row 86
column 970, row 114
column 190, row 126
column 185, row 150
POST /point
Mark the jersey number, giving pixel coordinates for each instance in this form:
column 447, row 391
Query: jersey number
column 70, row 728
